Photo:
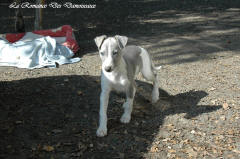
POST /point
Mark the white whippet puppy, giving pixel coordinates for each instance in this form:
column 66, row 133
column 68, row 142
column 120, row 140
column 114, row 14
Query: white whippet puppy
column 120, row 65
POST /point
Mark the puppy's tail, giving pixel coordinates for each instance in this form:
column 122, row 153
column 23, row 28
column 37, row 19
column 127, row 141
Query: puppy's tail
column 148, row 59
column 148, row 70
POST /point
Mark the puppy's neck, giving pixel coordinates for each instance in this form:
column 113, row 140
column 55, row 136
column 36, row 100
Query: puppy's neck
column 121, row 65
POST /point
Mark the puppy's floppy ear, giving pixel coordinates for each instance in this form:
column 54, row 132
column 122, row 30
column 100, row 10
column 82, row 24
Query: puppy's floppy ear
column 99, row 40
column 122, row 41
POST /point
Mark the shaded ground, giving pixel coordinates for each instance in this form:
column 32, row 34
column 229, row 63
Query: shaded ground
column 53, row 113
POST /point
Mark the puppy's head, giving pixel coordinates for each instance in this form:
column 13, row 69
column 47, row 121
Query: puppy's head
column 110, row 50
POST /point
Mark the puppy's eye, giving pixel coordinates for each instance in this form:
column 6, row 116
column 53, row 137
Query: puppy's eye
column 101, row 53
column 115, row 52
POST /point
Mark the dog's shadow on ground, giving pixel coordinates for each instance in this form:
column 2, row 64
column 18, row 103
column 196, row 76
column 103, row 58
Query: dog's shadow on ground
column 58, row 116
column 186, row 102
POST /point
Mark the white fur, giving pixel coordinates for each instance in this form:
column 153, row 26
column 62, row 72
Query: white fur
column 146, row 70
column 147, row 73
column 118, row 80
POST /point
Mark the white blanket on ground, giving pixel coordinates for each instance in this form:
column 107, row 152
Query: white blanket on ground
column 41, row 52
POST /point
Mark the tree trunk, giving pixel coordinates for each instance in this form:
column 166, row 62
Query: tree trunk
column 38, row 16
column 19, row 21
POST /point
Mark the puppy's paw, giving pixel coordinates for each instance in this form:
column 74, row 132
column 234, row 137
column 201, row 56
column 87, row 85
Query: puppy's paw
column 155, row 99
column 101, row 132
column 125, row 118
column 155, row 96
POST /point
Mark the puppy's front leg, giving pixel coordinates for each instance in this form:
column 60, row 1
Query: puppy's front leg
column 102, row 129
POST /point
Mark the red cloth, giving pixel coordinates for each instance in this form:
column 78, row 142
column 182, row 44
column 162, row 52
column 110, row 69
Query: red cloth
column 63, row 31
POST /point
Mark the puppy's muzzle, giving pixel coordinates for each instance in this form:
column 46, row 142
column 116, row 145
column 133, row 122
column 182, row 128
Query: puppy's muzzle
column 108, row 69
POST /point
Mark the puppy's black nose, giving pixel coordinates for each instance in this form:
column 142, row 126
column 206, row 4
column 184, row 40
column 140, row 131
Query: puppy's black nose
column 108, row 69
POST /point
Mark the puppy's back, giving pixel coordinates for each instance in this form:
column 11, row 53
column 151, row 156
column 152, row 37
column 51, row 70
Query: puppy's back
column 131, row 55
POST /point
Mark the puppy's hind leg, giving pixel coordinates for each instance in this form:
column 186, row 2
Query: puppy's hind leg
column 151, row 76
column 128, row 105
column 155, row 91
column 149, row 73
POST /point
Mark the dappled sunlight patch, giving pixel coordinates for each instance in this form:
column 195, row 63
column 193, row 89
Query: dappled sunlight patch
column 222, row 32
column 192, row 18
column 157, row 13
column 191, row 48
column 184, row 19
column 233, row 9
column 176, row 17
column 167, row 40
column 167, row 20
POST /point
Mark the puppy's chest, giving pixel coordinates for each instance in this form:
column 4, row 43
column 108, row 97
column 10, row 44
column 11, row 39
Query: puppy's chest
column 119, row 81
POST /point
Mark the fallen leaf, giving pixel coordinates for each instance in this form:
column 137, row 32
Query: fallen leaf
column 229, row 156
column 154, row 148
column 136, row 123
column 67, row 144
column 202, row 133
column 219, row 137
column 230, row 132
column 19, row 122
column 77, row 154
column 191, row 153
column 217, row 132
column 170, row 126
column 172, row 151
column 80, row 93
column 9, row 146
column 185, row 141
column 102, row 145
column 197, row 148
column 214, row 151
column 225, row 106
column 193, row 132
column 58, row 144
column 121, row 155
column 231, row 147
column 10, row 130
column 97, row 81
column 174, row 142
column 211, row 89
column 214, row 101
column 165, row 140
column 56, row 131
column 48, row 148
column 33, row 148
column 66, row 80
column 223, row 117
column 236, row 151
